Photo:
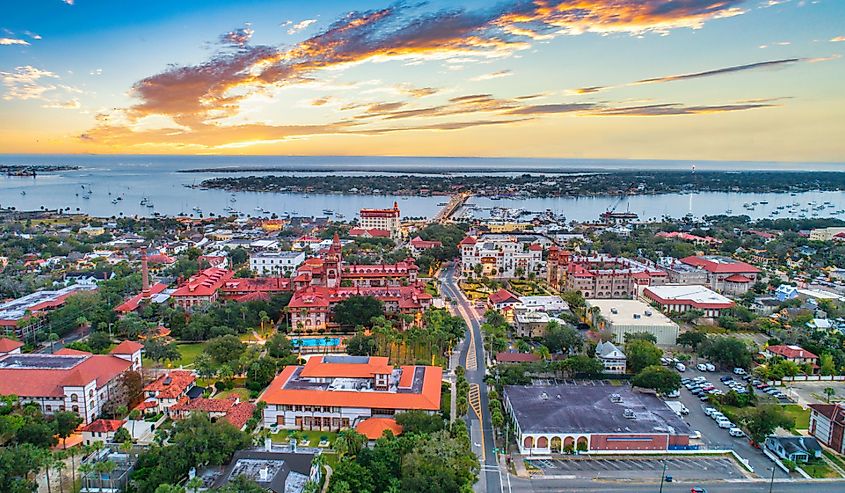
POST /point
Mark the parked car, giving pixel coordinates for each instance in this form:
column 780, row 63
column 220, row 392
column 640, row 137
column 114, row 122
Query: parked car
column 680, row 367
column 736, row 432
column 710, row 367
column 739, row 371
column 725, row 424
column 697, row 489
column 701, row 367
column 709, row 410
column 726, row 378
column 695, row 435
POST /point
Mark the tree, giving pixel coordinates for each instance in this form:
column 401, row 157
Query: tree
column 829, row 392
column 644, row 336
column 357, row 310
column 158, row 350
column 761, row 421
column 361, row 345
column 225, row 350
column 419, row 422
column 169, row 488
column 827, row 365
column 562, row 339
column 349, row 442
column 658, row 378
column 580, row 364
column 122, row 435
column 16, row 467
column 260, row 373
column 278, row 346
column 66, row 423
column 194, row 484
column 641, row 354
column 727, row 352
column 692, row 339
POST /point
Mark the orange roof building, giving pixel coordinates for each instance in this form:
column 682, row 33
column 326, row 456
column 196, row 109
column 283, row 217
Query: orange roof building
column 337, row 392
column 374, row 428
column 9, row 346
column 166, row 391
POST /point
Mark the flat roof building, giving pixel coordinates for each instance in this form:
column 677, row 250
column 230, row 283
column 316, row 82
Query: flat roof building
column 592, row 416
column 622, row 317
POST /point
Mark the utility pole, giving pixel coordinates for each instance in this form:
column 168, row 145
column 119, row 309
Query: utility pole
column 662, row 475
column 772, row 482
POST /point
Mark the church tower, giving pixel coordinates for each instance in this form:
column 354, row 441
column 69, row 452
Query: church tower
column 333, row 262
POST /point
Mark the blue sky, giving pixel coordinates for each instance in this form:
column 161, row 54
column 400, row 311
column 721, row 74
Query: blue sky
column 732, row 79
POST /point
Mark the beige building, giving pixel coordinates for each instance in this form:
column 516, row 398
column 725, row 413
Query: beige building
column 385, row 219
column 825, row 234
column 622, row 317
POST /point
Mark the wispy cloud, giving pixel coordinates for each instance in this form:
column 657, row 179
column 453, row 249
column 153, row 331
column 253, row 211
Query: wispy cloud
column 837, row 39
column 238, row 37
column 299, row 26
column 493, row 75
column 13, row 41
column 670, row 109
column 72, row 104
column 200, row 96
column 27, row 82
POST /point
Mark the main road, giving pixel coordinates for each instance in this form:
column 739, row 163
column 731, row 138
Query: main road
column 472, row 359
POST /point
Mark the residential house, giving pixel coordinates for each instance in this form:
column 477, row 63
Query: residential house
column 613, row 359
column 827, row 424
column 793, row 353
column 101, row 430
column 798, row 449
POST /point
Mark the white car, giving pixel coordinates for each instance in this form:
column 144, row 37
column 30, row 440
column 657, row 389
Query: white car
column 736, row 432
column 739, row 371
column 701, row 367
column 695, row 435
column 725, row 423
column 680, row 367
column 709, row 411
column 710, row 367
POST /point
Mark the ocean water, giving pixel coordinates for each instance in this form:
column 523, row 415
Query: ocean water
column 103, row 178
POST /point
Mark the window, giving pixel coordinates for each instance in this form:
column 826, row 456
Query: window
column 75, row 409
column 74, row 398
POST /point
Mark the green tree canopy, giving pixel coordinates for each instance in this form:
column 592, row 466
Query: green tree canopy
column 357, row 310
column 658, row 378
column 641, row 354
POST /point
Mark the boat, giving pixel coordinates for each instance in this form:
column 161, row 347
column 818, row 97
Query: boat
column 729, row 211
column 23, row 192
column 259, row 209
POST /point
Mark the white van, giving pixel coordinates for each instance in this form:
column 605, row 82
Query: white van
column 680, row 367
column 736, row 432
column 701, row 367
column 711, row 367
column 725, row 423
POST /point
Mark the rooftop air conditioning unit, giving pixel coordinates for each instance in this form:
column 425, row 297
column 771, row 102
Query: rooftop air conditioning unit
column 648, row 313
column 629, row 413
column 614, row 311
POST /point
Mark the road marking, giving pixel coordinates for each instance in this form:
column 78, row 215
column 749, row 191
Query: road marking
column 475, row 404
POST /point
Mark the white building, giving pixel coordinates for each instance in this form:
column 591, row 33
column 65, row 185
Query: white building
column 622, row 317
column 552, row 304
column 679, row 299
column 500, row 256
column 825, row 234
column 275, row 263
column 386, row 219
column 613, row 359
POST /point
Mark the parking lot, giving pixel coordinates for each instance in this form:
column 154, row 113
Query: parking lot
column 713, row 437
column 636, row 468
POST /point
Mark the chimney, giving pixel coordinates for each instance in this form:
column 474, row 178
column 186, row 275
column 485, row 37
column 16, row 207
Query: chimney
column 268, row 444
column 263, row 474
column 145, row 275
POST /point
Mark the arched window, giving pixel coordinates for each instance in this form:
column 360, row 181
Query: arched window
column 74, row 398
column 528, row 442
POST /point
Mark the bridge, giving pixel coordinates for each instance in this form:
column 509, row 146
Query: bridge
column 445, row 214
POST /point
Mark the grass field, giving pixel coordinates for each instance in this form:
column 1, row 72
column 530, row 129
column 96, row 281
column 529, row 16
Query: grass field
column 837, row 459
column 242, row 393
column 819, row 470
column 313, row 436
column 189, row 353
column 801, row 415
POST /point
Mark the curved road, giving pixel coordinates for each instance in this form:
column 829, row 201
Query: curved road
column 473, row 360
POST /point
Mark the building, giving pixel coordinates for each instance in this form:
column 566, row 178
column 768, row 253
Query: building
column 201, row 288
column 419, row 245
column 602, row 276
column 369, row 233
column 724, row 274
column 275, row 263
column 276, row 472
column 798, row 449
column 68, row 380
column 550, row 304
column 499, row 256
column 590, row 416
column 386, row 219
column 230, row 409
column 793, row 353
column 825, row 234
column 694, row 239
column 502, row 299
column 339, row 392
column 101, row 430
column 23, row 316
column 681, row 273
column 827, row 425
column 9, row 346
column 531, row 323
column 166, row 391
column 613, row 359
column 679, row 299
column 622, row 317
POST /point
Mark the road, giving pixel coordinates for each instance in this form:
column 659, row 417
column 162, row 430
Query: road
column 585, row 486
column 473, row 360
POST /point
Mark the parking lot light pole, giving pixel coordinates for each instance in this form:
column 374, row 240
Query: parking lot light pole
column 772, row 482
column 662, row 475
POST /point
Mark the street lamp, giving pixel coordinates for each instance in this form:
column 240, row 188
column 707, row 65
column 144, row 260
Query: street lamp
column 772, row 482
column 662, row 475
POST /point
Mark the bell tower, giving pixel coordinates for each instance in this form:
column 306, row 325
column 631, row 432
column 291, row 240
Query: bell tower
column 333, row 262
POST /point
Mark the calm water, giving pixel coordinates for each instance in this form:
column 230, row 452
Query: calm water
column 156, row 177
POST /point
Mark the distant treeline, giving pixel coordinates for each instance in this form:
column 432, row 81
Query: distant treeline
column 544, row 185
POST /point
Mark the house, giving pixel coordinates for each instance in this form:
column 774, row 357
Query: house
column 101, row 430
column 549, row 304
column 793, row 353
column 419, row 245
column 369, row 233
column 23, row 316
column 339, row 392
column 798, row 449
column 502, row 299
column 275, row 472
column 530, row 323
column 613, row 359
column 786, row 292
column 275, row 263
column 230, row 409
column 724, row 274
column 827, row 424
column 9, row 346
column 165, row 391
column 514, row 357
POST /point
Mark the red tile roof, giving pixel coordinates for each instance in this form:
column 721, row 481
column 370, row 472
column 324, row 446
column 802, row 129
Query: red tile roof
column 179, row 382
column 422, row 244
column 240, row 414
column 205, row 405
column 501, row 296
column 726, row 266
column 131, row 304
column 374, row 232
column 374, row 428
column 206, row 283
column 9, row 345
column 737, row 278
column 535, row 247
column 469, row 240
column 511, row 357
column 66, row 351
column 160, row 259
column 104, row 426
column 127, row 347
column 427, row 399
column 790, row 351
column 38, row 382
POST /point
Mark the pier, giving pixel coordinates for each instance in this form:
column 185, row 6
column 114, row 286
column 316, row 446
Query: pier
column 456, row 202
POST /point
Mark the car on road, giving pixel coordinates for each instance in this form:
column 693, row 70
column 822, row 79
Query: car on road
column 736, row 432
column 725, row 423
column 697, row 489
column 710, row 367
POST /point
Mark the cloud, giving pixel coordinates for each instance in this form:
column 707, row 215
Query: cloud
column 238, row 37
column 202, row 95
column 546, row 109
column 69, row 2
column 26, row 83
column 440, row 126
column 837, row 39
column 72, row 104
column 587, row 90
column 671, row 109
column 13, row 41
column 299, row 26
column 494, row 75
column 321, row 101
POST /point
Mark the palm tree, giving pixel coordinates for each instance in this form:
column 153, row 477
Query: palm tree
column 52, row 337
column 194, row 484
column 543, row 352
column 46, row 459
column 84, row 470
column 59, row 465
column 829, row 392
column 349, row 442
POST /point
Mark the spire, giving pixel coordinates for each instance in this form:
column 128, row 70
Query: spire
column 395, row 205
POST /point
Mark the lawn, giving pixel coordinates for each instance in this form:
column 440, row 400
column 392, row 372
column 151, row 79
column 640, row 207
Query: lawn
column 801, row 415
column 819, row 470
column 240, row 392
column 314, row 436
column 189, row 352
column 837, row 459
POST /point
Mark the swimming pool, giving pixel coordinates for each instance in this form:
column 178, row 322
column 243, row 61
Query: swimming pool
column 315, row 341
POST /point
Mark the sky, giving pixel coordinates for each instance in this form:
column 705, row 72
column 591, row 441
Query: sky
column 757, row 80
